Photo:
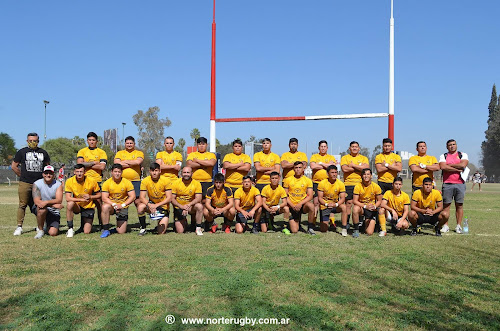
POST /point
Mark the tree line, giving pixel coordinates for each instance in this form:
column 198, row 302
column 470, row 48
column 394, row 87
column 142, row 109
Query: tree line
column 490, row 148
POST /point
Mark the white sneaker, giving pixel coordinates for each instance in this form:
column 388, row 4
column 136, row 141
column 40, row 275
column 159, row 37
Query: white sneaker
column 458, row 229
column 198, row 231
column 39, row 234
column 344, row 232
column 382, row 233
column 70, row 233
column 18, row 231
column 445, row 229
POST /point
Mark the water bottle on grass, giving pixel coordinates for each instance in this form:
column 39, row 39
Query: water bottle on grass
column 465, row 225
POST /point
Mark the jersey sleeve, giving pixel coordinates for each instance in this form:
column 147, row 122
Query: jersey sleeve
column 18, row 157
column 158, row 156
column 342, row 187
column 434, row 160
column 314, row 158
column 378, row 159
column 442, row 158
column 357, row 188
column 190, row 157
column 105, row 186
column 103, row 157
column 255, row 191
column 129, row 186
column 343, row 160
column 412, row 161
column 178, row 157
column 97, row 189
column 415, row 195
column 237, row 194
column 285, row 183
column 321, row 185
column 283, row 194
column 140, row 154
column 309, row 183
column 198, row 189
column 406, row 198
column 247, row 159
column 226, row 158
column 387, row 195
column 143, row 185
column 438, row 195
column 210, row 191
column 398, row 158
column 118, row 155
column 67, row 186
column 229, row 192
column 365, row 160
column 80, row 154
column 306, row 160
column 378, row 190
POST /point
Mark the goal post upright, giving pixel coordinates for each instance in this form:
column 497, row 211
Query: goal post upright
column 391, row 76
column 212, row 88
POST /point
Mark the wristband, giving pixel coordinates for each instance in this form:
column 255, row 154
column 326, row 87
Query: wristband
column 364, row 206
column 386, row 165
column 113, row 204
column 123, row 205
column 326, row 205
column 336, row 204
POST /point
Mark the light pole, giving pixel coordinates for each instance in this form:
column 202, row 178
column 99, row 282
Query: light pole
column 45, row 121
column 123, row 134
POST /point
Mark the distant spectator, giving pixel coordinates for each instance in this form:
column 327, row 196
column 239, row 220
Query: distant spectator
column 477, row 179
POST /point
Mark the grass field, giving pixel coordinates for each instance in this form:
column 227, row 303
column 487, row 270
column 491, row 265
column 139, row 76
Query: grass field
column 318, row 282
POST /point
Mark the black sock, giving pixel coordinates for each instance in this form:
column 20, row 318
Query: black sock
column 343, row 226
column 70, row 224
column 348, row 218
column 310, row 226
column 105, row 226
column 142, row 220
column 256, row 225
column 198, row 225
column 356, row 226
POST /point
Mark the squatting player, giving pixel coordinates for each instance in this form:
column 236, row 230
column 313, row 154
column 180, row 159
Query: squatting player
column 367, row 200
column 271, row 195
column 331, row 197
column 247, row 202
column 396, row 204
column 186, row 199
column 219, row 202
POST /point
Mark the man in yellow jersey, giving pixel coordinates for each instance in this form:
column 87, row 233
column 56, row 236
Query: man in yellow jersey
column 169, row 160
column 248, row 203
column 237, row 165
column 81, row 191
column 265, row 162
column 219, row 202
column 94, row 159
column 331, row 197
column 422, row 166
column 202, row 163
column 367, row 200
column 396, row 204
column 289, row 158
column 131, row 160
column 427, row 207
column 388, row 165
column 117, row 194
column 186, row 199
column 299, row 189
column 319, row 163
column 352, row 164
column 271, row 195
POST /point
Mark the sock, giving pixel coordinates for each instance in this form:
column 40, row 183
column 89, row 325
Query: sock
column 310, row 226
column 348, row 218
column 198, row 225
column 70, row 224
column 105, row 226
column 142, row 220
column 256, row 225
column 381, row 220
column 343, row 226
column 226, row 221
column 356, row 226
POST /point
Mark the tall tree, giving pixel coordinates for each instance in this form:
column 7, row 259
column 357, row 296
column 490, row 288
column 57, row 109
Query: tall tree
column 63, row 150
column 376, row 151
column 179, row 147
column 151, row 129
column 195, row 134
column 491, row 145
column 7, row 148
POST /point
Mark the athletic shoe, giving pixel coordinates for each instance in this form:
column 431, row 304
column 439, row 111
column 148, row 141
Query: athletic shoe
column 198, row 231
column 105, row 233
column 255, row 231
column 285, row 231
column 445, row 229
column 142, row 232
column 39, row 234
column 311, row 231
column 347, row 226
column 18, row 231
column 382, row 234
column 213, row 228
column 70, row 233
column 438, row 231
column 458, row 229
column 344, row 232
column 355, row 234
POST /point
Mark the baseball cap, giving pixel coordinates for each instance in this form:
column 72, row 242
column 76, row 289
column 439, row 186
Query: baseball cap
column 48, row 168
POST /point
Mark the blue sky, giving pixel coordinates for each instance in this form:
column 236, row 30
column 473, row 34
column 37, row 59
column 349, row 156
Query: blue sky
column 98, row 62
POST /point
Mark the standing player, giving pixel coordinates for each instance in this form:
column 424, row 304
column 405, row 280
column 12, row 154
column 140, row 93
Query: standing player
column 427, row 207
column 367, row 200
column 319, row 163
column 476, row 179
column 396, row 203
column 288, row 159
column 237, row 165
column 265, row 163
column 94, row 159
column 186, row 199
column 117, row 194
column 247, row 202
column 331, row 197
column 169, row 160
column 300, row 194
column 219, row 202
column 159, row 194
column 422, row 166
column 388, row 165
column 81, row 192
column 202, row 163
column 31, row 160
column 453, row 164
column 271, row 195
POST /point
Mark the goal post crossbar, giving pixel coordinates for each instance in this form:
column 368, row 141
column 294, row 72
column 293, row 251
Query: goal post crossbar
column 301, row 118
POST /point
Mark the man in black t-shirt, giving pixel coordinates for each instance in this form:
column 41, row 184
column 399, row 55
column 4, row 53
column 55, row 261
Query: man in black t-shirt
column 31, row 160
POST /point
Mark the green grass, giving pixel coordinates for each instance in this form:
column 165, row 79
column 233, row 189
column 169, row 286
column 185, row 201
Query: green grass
column 320, row 282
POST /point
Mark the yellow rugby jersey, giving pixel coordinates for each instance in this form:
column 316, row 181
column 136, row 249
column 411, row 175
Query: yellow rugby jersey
column 169, row 159
column 234, row 178
column 156, row 190
column 89, row 186
column 96, row 155
column 292, row 158
column 265, row 160
column 388, row 175
column 118, row 192
column 219, row 199
column 297, row 188
column 397, row 202
column 367, row 194
column 185, row 194
column 273, row 196
column 203, row 174
column 418, row 179
column 353, row 178
column 319, row 175
column 427, row 201
column 133, row 173
column 331, row 192
column 247, row 199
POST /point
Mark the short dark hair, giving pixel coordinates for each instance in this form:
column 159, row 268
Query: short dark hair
column 274, row 173
column 386, row 140
column 237, row 141
column 365, row 170
column 322, row 142
column 353, row 142
column 333, row 166
column 219, row 177
column 297, row 163
column 266, row 139
column 247, row 177
column 130, row 138
column 421, row 142
column 116, row 166
column 62, row 165
column 449, row 141
column 169, row 138
column 32, row 134
column 79, row 166
column 154, row 166
column 201, row 140
column 92, row 134
column 293, row 140
column 398, row 179
column 427, row 180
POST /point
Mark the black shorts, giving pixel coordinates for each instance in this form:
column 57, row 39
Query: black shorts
column 122, row 215
column 204, row 189
column 178, row 215
column 325, row 214
column 370, row 214
column 52, row 220
column 433, row 220
column 385, row 186
column 260, row 187
column 315, row 189
column 137, row 188
column 296, row 215
column 87, row 213
column 266, row 216
column 349, row 190
column 240, row 218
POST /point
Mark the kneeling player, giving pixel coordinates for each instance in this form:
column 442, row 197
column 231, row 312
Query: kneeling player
column 159, row 194
column 331, row 197
column 427, row 207
column 367, row 199
column 81, row 192
column 247, row 202
column 186, row 198
column 271, row 195
column 219, row 202
column 396, row 205
column 300, row 195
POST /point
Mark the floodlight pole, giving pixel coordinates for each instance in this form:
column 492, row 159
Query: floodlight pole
column 391, row 76
column 45, row 121
column 212, row 89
